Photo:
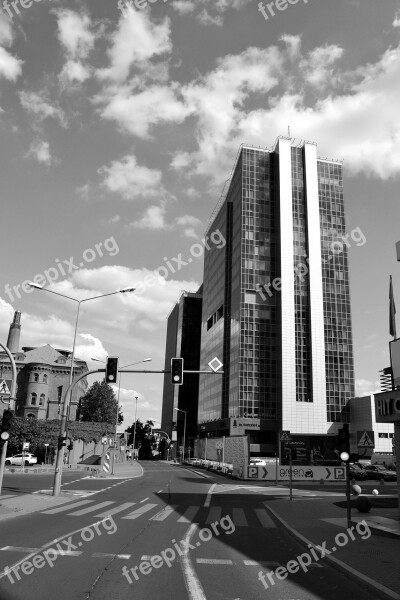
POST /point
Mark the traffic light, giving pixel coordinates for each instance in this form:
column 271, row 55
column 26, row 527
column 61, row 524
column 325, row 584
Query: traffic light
column 177, row 371
column 344, row 439
column 62, row 441
column 71, row 446
column 111, row 369
column 6, row 423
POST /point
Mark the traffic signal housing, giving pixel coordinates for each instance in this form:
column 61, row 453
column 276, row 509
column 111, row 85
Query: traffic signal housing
column 112, row 369
column 177, row 371
column 62, row 441
column 344, row 439
column 6, row 423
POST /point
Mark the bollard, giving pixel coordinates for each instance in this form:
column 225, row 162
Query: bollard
column 382, row 481
column 321, row 481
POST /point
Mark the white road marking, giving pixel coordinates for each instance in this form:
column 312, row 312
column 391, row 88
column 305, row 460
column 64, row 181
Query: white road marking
column 105, row 555
column 18, row 549
column 210, row 492
column 164, row 513
column 260, row 563
column 239, row 517
column 214, row 561
column 192, row 582
column 264, row 518
column 140, row 511
column 59, row 509
column 144, row 500
column 117, row 509
column 85, row 511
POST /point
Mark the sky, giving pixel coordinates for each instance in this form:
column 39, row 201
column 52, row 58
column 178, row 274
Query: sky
column 119, row 128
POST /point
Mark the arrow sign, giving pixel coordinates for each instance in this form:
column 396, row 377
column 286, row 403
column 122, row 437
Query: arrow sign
column 329, row 472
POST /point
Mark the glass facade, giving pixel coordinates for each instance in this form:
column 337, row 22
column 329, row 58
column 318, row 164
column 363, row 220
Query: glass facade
column 242, row 307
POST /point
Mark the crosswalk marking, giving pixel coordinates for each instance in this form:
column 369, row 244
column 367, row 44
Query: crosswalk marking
column 239, row 518
column 18, row 549
column 265, row 519
column 85, row 511
column 262, row 563
column 189, row 514
column 214, row 515
column 54, row 511
column 117, row 509
column 138, row 513
column 164, row 513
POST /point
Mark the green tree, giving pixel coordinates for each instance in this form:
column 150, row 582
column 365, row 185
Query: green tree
column 143, row 431
column 99, row 404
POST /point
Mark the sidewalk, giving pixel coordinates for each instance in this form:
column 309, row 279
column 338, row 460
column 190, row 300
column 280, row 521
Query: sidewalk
column 24, row 504
column 371, row 561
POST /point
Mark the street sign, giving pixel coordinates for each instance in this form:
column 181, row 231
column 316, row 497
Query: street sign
column 217, row 366
column 285, row 436
column 365, row 439
column 104, row 441
column 4, row 390
column 25, row 446
column 219, row 445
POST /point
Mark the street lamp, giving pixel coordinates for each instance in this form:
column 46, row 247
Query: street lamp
column 184, row 433
column 67, row 397
column 134, row 429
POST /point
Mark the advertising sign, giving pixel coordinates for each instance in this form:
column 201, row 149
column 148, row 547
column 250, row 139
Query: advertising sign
column 387, row 407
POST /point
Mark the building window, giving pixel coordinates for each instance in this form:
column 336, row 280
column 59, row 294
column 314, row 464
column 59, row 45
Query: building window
column 33, row 399
column 44, row 378
column 42, row 399
column 59, row 393
column 31, row 416
column 36, row 377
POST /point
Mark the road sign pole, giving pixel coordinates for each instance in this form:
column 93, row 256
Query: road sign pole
column 348, row 498
column 290, row 474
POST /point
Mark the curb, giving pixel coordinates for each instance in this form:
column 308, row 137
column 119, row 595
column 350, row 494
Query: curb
column 353, row 574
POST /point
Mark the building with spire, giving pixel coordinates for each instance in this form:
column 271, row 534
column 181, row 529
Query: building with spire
column 42, row 377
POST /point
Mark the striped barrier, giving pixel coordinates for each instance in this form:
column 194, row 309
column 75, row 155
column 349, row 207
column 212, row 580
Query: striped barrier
column 106, row 463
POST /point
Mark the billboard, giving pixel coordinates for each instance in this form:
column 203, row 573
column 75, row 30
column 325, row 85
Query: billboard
column 395, row 361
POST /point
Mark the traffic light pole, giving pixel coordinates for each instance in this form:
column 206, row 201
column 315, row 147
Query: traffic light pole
column 11, row 406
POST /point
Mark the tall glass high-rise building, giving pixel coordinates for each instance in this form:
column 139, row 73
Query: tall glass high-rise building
column 276, row 302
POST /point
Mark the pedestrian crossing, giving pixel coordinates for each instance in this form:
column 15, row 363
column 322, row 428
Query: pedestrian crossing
column 241, row 516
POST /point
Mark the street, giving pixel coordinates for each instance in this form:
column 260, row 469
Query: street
column 206, row 537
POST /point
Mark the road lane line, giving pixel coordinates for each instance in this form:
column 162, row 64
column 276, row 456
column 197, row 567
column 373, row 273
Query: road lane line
column 140, row 511
column 53, row 511
column 144, row 500
column 214, row 561
column 189, row 514
column 261, row 563
column 210, row 492
column 239, row 517
column 106, row 555
column 85, row 511
column 18, row 549
column 214, row 515
column 164, row 513
column 117, row 509
column 192, row 582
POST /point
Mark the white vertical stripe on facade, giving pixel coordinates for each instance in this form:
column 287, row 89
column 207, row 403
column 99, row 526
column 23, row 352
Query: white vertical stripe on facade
column 318, row 422
column 287, row 289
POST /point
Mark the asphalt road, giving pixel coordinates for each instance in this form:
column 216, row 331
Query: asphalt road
column 204, row 541
column 28, row 483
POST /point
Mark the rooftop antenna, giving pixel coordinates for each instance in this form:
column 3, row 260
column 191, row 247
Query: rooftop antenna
column 288, row 131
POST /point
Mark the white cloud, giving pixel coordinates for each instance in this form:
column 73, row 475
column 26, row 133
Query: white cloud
column 10, row 67
column 41, row 107
column 131, row 180
column 317, row 65
column 206, row 19
column 40, row 150
column 183, row 7
column 364, row 387
column 137, row 112
column 135, row 42
column 74, row 33
column 154, row 218
column 74, row 72
column 396, row 22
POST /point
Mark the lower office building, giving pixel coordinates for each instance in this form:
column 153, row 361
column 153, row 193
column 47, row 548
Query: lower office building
column 183, row 341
